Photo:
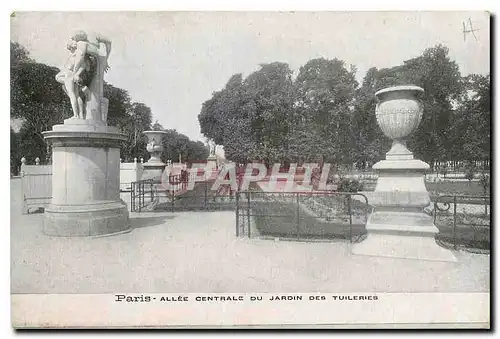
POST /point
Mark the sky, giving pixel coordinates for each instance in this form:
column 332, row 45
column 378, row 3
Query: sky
column 174, row 61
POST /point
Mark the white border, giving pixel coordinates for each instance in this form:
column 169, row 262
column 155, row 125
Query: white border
column 9, row 6
column 273, row 309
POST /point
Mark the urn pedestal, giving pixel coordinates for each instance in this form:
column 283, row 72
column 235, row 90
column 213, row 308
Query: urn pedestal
column 154, row 167
column 398, row 226
column 86, row 180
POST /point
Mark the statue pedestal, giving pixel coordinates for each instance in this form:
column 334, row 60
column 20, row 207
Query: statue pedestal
column 398, row 227
column 86, row 181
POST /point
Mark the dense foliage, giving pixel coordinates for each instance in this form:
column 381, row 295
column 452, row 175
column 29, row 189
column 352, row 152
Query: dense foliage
column 325, row 115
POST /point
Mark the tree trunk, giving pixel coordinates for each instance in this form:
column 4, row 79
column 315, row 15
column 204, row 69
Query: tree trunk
column 485, row 203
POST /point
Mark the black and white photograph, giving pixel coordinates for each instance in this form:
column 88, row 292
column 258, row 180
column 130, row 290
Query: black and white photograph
column 233, row 169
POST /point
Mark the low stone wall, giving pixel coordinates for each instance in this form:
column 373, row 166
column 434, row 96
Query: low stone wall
column 36, row 186
column 130, row 172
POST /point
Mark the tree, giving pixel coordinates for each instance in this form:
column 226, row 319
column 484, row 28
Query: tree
column 268, row 103
column 18, row 53
column 133, row 124
column 323, row 104
column 251, row 117
column 176, row 144
column 470, row 170
column 271, row 118
column 471, row 122
column 196, row 152
column 368, row 140
column 30, row 146
column 120, row 105
column 484, row 180
column 441, row 80
column 15, row 156
column 38, row 100
column 226, row 118
column 157, row 126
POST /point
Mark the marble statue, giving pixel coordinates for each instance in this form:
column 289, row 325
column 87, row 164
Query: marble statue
column 212, row 146
column 82, row 76
column 73, row 86
column 85, row 150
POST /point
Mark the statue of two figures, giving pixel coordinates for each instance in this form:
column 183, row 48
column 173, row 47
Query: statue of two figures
column 82, row 76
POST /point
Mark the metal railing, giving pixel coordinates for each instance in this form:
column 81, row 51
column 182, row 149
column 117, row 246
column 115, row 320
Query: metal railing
column 138, row 192
column 200, row 198
column 301, row 215
column 463, row 221
column 147, row 195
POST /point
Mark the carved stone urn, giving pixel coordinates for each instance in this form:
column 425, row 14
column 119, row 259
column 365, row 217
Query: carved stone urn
column 154, row 167
column 400, row 177
column 399, row 112
column 155, row 145
column 398, row 226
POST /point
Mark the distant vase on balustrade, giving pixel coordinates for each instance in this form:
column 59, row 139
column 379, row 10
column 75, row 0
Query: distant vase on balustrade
column 155, row 145
column 399, row 112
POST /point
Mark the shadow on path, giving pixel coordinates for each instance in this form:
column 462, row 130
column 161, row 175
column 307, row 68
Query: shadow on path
column 149, row 221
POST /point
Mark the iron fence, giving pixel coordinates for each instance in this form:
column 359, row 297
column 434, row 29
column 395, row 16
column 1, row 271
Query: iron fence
column 460, row 174
column 463, row 221
column 147, row 195
column 200, row 198
column 141, row 194
column 301, row 215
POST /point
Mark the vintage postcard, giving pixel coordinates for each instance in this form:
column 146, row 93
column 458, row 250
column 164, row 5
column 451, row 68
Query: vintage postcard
column 250, row 169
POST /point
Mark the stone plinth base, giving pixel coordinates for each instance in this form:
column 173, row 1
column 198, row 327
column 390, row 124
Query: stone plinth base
column 85, row 180
column 153, row 171
column 403, row 235
column 398, row 228
column 86, row 220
